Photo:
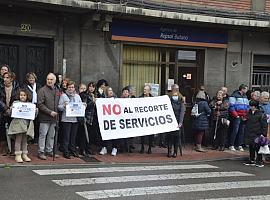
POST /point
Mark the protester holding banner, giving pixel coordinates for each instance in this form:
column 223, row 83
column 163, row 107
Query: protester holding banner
column 109, row 94
column 22, row 128
column 147, row 93
column 70, row 124
column 127, row 141
column 8, row 94
column 89, row 97
column 179, row 109
column 200, row 122
column 48, row 98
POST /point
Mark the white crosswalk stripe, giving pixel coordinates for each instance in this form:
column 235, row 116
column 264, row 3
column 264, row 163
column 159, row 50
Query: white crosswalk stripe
column 259, row 197
column 158, row 173
column 127, row 192
column 122, row 179
column 119, row 169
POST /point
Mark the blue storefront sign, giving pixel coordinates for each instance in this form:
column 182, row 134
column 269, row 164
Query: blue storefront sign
column 139, row 31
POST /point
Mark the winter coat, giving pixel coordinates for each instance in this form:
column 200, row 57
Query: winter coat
column 201, row 122
column 18, row 126
column 48, row 99
column 90, row 111
column 256, row 126
column 13, row 96
column 4, row 107
column 222, row 109
column 25, row 86
column 239, row 104
column 61, row 106
column 179, row 109
column 265, row 108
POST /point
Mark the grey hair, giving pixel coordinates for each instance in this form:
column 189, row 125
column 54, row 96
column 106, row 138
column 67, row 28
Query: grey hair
column 265, row 94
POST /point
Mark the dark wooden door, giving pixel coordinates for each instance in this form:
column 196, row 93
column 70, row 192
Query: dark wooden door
column 26, row 54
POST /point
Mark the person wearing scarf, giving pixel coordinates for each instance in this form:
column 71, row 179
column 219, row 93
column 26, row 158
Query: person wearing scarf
column 70, row 124
column 32, row 87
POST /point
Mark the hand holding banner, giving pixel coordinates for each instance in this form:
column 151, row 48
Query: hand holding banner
column 131, row 117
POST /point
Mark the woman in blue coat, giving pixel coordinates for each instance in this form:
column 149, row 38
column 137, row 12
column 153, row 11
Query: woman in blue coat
column 200, row 121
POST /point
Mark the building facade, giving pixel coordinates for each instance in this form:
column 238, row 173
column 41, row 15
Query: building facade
column 189, row 42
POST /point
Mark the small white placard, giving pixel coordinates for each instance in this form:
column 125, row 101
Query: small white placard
column 75, row 109
column 23, row 110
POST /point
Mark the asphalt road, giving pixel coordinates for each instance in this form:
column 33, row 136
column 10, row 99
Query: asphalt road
column 226, row 180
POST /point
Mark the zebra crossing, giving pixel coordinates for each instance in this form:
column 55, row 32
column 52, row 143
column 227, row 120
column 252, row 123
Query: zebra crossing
column 153, row 173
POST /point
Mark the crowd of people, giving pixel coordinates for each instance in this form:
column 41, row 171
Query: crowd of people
column 234, row 121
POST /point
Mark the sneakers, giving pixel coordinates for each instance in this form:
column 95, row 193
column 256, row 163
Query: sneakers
column 232, row 148
column 240, row 148
column 250, row 163
column 260, row 164
column 103, row 151
column 114, row 152
column 42, row 156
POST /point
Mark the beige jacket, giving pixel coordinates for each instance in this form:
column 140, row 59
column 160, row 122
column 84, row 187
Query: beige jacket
column 18, row 126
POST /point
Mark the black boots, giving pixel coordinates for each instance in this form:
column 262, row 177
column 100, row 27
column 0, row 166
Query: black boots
column 169, row 155
column 142, row 149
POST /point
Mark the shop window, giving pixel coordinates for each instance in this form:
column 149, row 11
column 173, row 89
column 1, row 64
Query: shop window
column 261, row 72
column 141, row 65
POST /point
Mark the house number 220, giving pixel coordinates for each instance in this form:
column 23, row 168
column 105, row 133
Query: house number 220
column 26, row 27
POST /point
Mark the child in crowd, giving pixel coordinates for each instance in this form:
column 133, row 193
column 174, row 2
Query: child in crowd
column 21, row 128
column 256, row 126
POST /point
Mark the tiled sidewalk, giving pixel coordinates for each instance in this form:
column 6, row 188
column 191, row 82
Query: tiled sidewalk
column 158, row 155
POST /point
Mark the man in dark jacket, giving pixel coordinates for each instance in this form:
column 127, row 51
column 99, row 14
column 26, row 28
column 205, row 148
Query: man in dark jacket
column 48, row 98
column 239, row 106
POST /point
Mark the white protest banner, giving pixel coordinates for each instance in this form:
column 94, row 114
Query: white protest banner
column 131, row 117
column 23, row 110
column 75, row 109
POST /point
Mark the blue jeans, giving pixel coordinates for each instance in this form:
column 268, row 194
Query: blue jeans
column 237, row 134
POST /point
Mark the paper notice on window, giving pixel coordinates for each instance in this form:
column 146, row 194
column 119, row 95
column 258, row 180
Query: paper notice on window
column 75, row 109
column 170, row 83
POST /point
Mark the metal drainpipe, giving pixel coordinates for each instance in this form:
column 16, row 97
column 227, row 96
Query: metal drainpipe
column 225, row 73
column 80, row 62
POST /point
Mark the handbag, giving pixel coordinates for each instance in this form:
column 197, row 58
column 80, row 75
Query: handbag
column 225, row 121
column 264, row 150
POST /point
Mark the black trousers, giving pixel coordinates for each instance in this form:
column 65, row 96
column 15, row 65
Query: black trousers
column 221, row 134
column 173, row 139
column 69, row 136
column 254, row 149
column 150, row 140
